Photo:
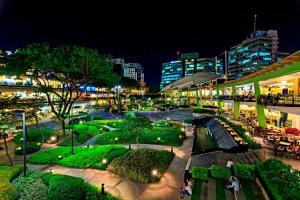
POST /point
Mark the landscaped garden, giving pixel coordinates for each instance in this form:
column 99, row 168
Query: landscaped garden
column 97, row 157
column 156, row 135
column 142, row 165
column 38, row 185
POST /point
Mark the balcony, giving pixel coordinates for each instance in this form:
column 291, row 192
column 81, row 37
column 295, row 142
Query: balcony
column 279, row 100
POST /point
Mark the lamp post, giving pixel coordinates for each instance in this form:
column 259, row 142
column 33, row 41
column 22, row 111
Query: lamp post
column 118, row 87
column 72, row 131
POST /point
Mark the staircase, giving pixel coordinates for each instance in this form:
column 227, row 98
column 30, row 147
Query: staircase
column 249, row 157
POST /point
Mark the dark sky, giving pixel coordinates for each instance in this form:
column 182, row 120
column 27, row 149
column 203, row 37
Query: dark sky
column 148, row 32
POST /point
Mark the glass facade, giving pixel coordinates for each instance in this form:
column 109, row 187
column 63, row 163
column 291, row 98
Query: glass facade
column 171, row 71
column 253, row 54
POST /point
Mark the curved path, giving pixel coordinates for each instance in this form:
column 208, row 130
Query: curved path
column 168, row 188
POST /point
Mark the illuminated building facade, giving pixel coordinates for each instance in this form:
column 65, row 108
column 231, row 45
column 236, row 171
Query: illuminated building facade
column 171, row 71
column 254, row 53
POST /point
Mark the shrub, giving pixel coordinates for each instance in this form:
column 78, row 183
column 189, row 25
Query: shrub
column 204, row 110
column 242, row 132
column 7, row 191
column 200, row 173
column 138, row 164
column 64, row 187
column 92, row 157
column 67, row 141
column 244, row 171
column 220, row 172
column 36, row 135
column 93, row 193
column 280, row 181
column 51, row 156
column 85, row 132
column 162, row 123
column 31, row 186
column 32, row 147
column 98, row 118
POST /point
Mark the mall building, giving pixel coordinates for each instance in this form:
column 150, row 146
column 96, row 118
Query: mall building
column 270, row 96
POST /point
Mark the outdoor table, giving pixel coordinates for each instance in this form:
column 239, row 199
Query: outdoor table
column 284, row 143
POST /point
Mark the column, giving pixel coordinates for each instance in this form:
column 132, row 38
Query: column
column 219, row 100
column 261, row 117
column 211, row 95
column 236, row 105
column 201, row 97
column 198, row 99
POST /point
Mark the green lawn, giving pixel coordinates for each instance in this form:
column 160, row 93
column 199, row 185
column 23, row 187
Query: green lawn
column 138, row 165
column 197, row 190
column 83, row 157
column 39, row 185
column 167, row 135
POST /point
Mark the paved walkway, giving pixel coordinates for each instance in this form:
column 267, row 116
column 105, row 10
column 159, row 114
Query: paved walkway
column 168, row 188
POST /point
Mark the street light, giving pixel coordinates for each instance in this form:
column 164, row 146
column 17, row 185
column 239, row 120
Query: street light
column 118, row 87
column 72, row 131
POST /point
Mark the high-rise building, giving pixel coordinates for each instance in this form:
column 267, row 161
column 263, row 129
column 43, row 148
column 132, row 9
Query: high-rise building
column 254, row 53
column 131, row 70
column 171, row 71
column 134, row 71
column 189, row 64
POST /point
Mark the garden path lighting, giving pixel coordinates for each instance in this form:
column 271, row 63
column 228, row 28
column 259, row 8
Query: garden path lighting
column 116, row 139
column 154, row 172
column 104, row 161
column 59, row 157
column 182, row 129
column 102, row 188
column 51, row 171
column 168, row 118
column 171, row 149
column 180, row 136
column 158, row 139
column 53, row 138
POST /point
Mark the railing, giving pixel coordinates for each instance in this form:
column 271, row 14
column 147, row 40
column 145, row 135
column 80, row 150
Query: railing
column 226, row 97
column 279, row 100
column 249, row 98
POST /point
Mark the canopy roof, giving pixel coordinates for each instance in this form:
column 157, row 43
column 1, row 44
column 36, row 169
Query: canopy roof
column 191, row 81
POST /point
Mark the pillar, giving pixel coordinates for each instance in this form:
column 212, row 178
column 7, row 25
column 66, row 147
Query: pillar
column 236, row 105
column 219, row 100
column 198, row 99
column 201, row 97
column 211, row 95
column 261, row 117
column 296, row 86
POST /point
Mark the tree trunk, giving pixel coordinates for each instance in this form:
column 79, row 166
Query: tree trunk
column 7, row 154
column 62, row 125
column 36, row 120
column 137, row 141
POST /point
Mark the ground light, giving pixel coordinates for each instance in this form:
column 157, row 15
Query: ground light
column 52, row 138
column 116, row 139
column 51, row 171
column 154, row 172
column 158, row 139
column 104, row 161
column 182, row 129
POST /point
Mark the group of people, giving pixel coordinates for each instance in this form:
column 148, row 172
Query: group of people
column 286, row 150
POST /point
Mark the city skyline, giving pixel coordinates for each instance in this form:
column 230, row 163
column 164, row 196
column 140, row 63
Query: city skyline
column 146, row 37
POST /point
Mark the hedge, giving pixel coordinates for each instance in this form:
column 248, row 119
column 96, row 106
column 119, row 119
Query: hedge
column 31, row 147
column 220, row 172
column 280, row 181
column 200, row 173
column 244, row 171
column 36, row 135
column 139, row 164
column 204, row 110
column 242, row 133
column 7, row 174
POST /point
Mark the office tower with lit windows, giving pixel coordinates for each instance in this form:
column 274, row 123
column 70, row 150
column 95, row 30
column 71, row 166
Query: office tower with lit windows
column 189, row 64
column 254, row 53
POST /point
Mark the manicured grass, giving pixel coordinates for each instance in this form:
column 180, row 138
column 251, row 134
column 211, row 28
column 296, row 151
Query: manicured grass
column 7, row 174
column 168, row 136
column 205, row 141
column 110, row 123
column 67, row 141
column 83, row 157
column 196, row 194
column 220, row 189
column 38, row 185
column 138, row 165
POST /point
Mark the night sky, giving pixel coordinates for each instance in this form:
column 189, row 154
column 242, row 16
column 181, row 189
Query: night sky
column 147, row 32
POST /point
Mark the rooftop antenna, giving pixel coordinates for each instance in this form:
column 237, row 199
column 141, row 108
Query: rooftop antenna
column 255, row 15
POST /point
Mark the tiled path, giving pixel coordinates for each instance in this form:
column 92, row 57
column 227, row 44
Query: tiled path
column 168, row 188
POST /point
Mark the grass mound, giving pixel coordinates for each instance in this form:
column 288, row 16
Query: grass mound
column 139, row 165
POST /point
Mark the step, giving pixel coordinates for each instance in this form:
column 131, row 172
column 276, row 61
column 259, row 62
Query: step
column 228, row 195
column 211, row 189
column 240, row 195
column 253, row 155
column 204, row 189
column 249, row 157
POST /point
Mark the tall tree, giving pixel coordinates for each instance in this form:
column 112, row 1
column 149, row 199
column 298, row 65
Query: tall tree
column 60, row 72
column 135, row 124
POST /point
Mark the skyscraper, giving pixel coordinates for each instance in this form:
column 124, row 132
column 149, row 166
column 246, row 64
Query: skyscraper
column 171, row 71
column 254, row 53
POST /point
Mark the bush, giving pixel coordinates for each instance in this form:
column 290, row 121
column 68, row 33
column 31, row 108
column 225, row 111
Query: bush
column 98, row 118
column 168, row 136
column 93, row 193
column 220, row 172
column 242, row 132
column 7, row 174
column 31, row 186
column 204, row 110
column 85, row 132
column 51, row 156
column 36, row 135
column 138, row 164
column 200, row 173
column 280, row 181
column 162, row 123
column 244, row 171
column 64, row 187
column 92, row 157
column 32, row 147
column 67, row 141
